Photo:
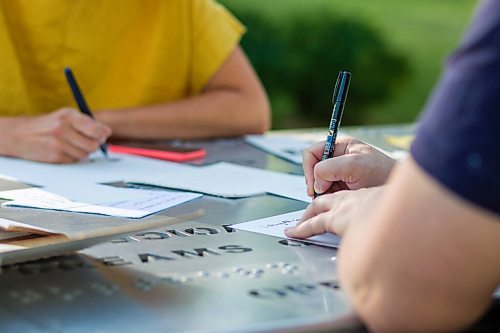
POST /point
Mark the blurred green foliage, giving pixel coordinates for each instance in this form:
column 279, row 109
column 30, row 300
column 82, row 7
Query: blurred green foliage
column 299, row 59
column 393, row 49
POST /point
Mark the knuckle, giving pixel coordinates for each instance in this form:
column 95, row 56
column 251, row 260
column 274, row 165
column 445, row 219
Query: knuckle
column 55, row 157
column 64, row 113
column 81, row 154
column 355, row 141
column 55, row 147
column 91, row 129
column 319, row 203
column 354, row 159
column 305, row 154
column 57, row 128
column 317, row 170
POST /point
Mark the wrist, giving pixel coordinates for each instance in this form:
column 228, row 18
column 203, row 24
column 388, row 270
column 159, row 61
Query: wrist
column 110, row 118
column 9, row 127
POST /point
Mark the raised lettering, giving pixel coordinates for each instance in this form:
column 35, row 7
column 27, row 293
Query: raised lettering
column 228, row 228
column 202, row 231
column 148, row 257
column 178, row 233
column 114, row 261
column 330, row 284
column 153, row 235
column 197, row 252
column 289, row 242
column 267, row 293
column 234, row 249
column 301, row 288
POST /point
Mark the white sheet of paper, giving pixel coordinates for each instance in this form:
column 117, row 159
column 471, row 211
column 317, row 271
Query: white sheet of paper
column 283, row 146
column 204, row 180
column 288, row 146
column 95, row 170
column 278, row 183
column 93, row 193
column 275, row 226
column 147, row 203
column 231, row 181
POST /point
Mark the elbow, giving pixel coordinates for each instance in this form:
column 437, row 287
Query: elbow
column 263, row 123
column 260, row 121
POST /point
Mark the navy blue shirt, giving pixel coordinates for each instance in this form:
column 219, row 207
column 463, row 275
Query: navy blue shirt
column 458, row 141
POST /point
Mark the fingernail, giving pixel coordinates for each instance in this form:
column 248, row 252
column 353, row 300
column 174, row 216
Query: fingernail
column 317, row 188
column 289, row 229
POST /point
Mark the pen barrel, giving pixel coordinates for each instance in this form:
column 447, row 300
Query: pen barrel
column 341, row 87
column 338, row 108
column 77, row 93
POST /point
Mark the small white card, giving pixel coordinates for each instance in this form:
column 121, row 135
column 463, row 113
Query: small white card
column 275, row 226
column 286, row 147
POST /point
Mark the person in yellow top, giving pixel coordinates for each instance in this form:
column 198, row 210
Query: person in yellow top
column 149, row 69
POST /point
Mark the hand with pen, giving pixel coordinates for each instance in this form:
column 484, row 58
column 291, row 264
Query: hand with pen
column 63, row 136
column 354, row 165
column 350, row 181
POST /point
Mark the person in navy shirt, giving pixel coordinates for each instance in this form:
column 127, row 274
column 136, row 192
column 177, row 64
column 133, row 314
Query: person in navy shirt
column 421, row 240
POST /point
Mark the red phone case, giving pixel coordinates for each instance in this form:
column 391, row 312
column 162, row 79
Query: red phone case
column 160, row 154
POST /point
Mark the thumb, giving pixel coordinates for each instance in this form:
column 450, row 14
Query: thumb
column 345, row 168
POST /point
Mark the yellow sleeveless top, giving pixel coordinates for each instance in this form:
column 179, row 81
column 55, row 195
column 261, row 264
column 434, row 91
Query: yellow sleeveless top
column 124, row 53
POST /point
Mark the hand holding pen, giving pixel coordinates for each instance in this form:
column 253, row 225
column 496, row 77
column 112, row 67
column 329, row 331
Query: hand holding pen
column 354, row 165
column 339, row 99
column 63, row 136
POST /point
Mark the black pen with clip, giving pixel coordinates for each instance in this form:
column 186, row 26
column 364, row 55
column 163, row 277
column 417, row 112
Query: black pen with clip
column 339, row 99
column 82, row 105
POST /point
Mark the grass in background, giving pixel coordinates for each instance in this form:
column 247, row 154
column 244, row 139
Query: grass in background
column 424, row 31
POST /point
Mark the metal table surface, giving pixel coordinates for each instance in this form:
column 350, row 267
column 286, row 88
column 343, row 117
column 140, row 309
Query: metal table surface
column 197, row 276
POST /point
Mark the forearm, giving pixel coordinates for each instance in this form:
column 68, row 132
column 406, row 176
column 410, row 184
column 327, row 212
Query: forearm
column 424, row 261
column 218, row 113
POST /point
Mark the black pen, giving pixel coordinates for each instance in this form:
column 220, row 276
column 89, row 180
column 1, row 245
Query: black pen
column 339, row 99
column 82, row 105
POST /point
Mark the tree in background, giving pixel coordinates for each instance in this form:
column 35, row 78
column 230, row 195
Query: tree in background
column 298, row 60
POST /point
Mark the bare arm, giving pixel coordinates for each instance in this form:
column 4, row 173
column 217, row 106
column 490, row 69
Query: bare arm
column 233, row 103
column 424, row 261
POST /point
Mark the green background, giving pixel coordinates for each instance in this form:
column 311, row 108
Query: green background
column 394, row 49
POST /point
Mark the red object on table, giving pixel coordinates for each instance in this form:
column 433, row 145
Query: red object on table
column 182, row 155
